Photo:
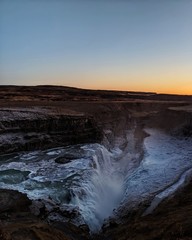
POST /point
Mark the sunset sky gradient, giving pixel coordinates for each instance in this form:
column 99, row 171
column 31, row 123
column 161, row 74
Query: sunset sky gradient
column 132, row 45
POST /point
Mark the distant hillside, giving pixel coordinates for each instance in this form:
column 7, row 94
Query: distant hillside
column 64, row 93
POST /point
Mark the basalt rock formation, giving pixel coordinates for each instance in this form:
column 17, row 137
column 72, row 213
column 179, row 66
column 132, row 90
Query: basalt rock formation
column 24, row 129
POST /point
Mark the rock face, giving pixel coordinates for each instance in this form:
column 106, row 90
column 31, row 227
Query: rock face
column 30, row 129
column 13, row 201
column 18, row 222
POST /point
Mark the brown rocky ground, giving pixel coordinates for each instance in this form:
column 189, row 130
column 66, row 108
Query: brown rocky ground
column 46, row 116
column 17, row 222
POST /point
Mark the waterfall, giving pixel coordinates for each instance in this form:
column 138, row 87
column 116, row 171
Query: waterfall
column 94, row 181
column 97, row 196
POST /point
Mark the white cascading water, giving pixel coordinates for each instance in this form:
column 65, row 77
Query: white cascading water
column 103, row 192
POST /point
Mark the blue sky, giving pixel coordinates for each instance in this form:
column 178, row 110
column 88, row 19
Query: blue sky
column 103, row 44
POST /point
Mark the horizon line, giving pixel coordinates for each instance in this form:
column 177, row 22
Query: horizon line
column 93, row 89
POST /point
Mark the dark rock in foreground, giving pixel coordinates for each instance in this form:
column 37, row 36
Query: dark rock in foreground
column 18, row 222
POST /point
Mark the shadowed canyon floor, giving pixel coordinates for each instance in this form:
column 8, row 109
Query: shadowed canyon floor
column 116, row 163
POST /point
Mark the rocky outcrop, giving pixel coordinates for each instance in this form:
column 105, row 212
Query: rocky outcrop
column 30, row 129
column 19, row 221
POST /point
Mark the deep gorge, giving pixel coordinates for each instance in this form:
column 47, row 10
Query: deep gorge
column 92, row 167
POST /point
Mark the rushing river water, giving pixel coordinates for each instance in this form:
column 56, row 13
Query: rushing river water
column 93, row 181
column 96, row 181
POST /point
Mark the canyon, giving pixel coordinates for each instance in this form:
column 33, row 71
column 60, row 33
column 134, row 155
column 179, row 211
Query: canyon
column 87, row 164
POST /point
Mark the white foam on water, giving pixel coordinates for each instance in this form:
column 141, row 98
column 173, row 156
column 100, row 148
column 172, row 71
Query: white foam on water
column 167, row 192
column 166, row 158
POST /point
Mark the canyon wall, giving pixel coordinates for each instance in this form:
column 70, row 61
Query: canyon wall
column 33, row 129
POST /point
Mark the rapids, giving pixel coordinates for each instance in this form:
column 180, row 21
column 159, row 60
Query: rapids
column 96, row 181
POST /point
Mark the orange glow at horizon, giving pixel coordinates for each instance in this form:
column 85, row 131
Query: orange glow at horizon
column 118, row 45
column 161, row 84
column 142, row 78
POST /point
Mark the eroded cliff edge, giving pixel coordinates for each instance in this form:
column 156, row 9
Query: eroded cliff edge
column 25, row 129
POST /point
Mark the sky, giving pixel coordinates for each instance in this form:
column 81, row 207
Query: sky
column 133, row 45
